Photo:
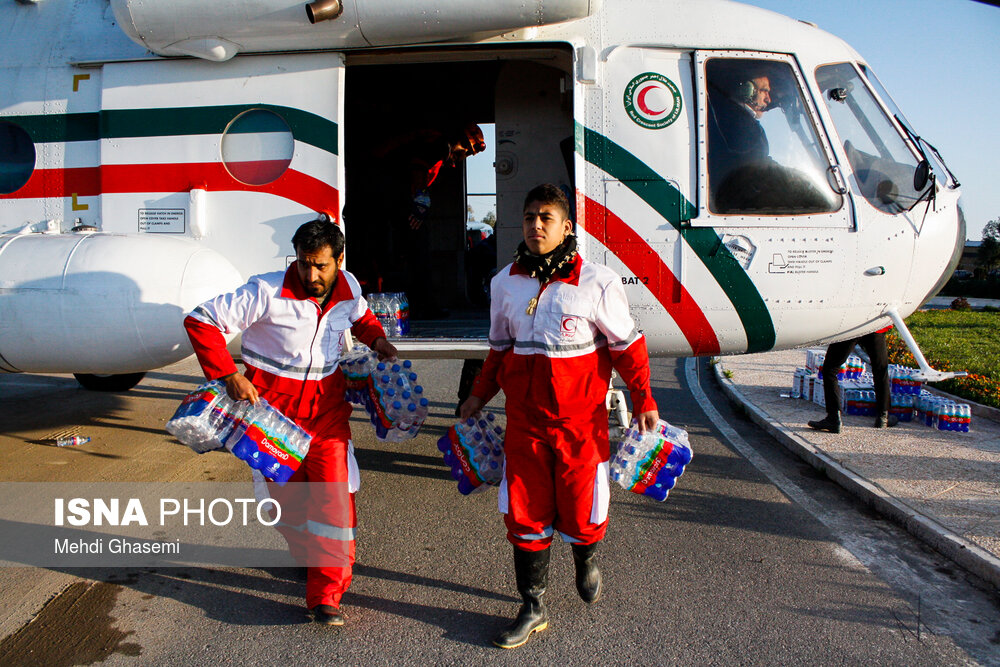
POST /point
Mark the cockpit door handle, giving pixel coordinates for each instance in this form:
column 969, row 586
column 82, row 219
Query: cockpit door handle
column 836, row 179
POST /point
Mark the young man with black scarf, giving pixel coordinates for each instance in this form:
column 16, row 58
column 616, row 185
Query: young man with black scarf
column 558, row 325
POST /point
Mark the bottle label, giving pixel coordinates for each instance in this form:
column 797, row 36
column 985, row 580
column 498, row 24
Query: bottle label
column 461, row 455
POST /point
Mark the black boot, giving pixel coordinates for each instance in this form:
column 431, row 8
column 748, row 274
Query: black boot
column 588, row 577
column 831, row 423
column 531, row 569
column 885, row 420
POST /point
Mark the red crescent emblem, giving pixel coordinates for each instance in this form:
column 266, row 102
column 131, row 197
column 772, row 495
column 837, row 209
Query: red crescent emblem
column 640, row 101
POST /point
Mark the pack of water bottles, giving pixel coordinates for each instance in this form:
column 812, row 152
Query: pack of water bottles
column 942, row 413
column 473, row 449
column 649, row 463
column 807, row 382
column 849, row 370
column 207, row 419
column 393, row 312
column 905, row 380
column 902, row 405
column 859, row 401
column 268, row 441
column 388, row 392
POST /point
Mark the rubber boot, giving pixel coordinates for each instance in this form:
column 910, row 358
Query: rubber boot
column 831, row 423
column 531, row 570
column 588, row 577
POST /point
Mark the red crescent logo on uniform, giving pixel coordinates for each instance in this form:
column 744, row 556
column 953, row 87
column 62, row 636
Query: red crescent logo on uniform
column 568, row 326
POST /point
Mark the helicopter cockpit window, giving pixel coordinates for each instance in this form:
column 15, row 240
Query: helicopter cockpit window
column 764, row 156
column 882, row 163
column 17, row 157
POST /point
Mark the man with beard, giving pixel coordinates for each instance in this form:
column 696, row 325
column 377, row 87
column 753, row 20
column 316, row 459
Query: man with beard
column 294, row 323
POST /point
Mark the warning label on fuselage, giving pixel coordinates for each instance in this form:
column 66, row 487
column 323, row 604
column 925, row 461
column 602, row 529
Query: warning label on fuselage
column 800, row 261
column 161, row 220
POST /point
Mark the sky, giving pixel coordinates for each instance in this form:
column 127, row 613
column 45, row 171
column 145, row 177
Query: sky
column 940, row 61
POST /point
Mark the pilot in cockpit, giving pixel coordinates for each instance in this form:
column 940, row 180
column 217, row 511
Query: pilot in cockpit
column 736, row 114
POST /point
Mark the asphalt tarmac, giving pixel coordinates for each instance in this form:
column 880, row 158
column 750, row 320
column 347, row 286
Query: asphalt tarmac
column 753, row 559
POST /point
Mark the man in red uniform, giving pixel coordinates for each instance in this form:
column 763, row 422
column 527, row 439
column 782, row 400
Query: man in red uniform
column 293, row 325
column 558, row 325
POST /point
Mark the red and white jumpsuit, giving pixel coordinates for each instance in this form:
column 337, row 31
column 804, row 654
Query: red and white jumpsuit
column 290, row 348
column 554, row 365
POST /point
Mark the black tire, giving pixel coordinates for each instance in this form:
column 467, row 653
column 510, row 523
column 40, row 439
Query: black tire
column 122, row 382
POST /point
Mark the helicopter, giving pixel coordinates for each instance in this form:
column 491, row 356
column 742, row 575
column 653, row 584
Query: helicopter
column 745, row 173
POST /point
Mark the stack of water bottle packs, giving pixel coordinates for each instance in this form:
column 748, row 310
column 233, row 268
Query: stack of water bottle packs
column 649, row 463
column 388, row 392
column 941, row 413
column 392, row 310
column 909, row 400
column 473, row 449
column 208, row 419
column 807, row 382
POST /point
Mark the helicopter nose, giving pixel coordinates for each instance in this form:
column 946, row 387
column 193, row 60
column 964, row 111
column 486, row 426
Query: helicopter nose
column 947, row 232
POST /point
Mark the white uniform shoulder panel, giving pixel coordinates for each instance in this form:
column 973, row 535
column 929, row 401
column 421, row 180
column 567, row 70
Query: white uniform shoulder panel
column 352, row 281
column 599, row 273
column 271, row 278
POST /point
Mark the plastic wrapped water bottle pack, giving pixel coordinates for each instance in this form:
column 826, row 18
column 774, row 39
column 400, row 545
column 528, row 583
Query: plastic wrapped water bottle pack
column 388, row 391
column 259, row 434
column 473, row 449
column 649, row 463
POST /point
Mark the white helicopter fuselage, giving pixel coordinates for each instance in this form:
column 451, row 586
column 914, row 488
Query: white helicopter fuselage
column 186, row 140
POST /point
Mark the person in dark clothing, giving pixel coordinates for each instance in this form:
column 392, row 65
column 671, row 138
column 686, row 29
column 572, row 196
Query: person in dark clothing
column 393, row 198
column 836, row 354
column 738, row 146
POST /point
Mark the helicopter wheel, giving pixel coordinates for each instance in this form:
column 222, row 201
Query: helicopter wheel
column 122, row 382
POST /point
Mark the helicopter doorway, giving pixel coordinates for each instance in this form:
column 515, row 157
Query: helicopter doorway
column 400, row 110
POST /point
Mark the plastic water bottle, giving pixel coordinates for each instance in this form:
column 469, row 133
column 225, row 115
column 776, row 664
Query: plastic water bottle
column 393, row 326
column 72, row 441
column 403, row 313
column 965, row 416
column 382, row 307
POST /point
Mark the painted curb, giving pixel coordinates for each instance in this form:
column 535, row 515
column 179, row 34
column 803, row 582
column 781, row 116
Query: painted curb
column 964, row 553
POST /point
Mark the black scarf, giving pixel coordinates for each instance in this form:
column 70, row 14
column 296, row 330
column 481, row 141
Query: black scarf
column 543, row 267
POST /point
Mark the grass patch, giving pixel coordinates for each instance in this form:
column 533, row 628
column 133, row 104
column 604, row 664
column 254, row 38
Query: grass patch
column 956, row 341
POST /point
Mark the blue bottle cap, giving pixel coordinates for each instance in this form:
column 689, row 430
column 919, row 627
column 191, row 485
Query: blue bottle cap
column 423, row 402
column 407, row 363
